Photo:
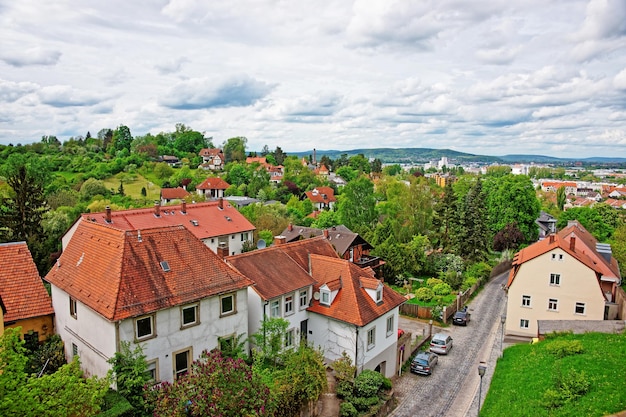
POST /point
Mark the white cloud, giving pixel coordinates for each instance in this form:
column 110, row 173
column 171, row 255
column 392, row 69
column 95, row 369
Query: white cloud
column 31, row 56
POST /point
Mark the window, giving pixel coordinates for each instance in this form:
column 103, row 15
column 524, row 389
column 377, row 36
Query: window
column 553, row 304
column 525, row 300
column 165, row 265
column 226, row 343
column 554, row 256
column 304, row 298
column 289, row 338
column 560, row 257
column 371, row 338
column 379, row 294
column 244, row 236
column 555, row 279
column 73, row 306
column 227, row 305
column 74, row 350
column 275, row 308
column 233, row 237
column 390, row 326
column 152, row 370
column 325, row 297
column 289, row 304
column 580, row 308
column 144, row 327
column 189, row 315
column 182, row 360
column 523, row 323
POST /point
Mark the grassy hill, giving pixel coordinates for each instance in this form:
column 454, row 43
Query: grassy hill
column 133, row 185
column 402, row 155
column 526, row 381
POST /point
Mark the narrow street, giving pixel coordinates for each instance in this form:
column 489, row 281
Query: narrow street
column 453, row 388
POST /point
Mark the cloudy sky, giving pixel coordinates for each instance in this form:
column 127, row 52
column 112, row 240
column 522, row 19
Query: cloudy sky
column 488, row 77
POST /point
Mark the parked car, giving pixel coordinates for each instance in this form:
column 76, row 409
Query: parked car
column 461, row 317
column 441, row 343
column 423, row 363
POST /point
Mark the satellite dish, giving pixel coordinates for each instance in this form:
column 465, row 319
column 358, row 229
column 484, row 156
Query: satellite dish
column 261, row 244
column 316, row 295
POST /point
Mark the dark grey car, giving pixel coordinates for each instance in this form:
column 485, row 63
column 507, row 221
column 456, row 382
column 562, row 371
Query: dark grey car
column 424, row 362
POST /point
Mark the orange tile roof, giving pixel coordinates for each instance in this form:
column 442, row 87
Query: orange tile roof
column 21, row 288
column 210, row 152
column 317, row 195
column 210, row 219
column 172, row 193
column 584, row 250
column 213, row 183
column 280, row 268
column 119, row 275
column 352, row 304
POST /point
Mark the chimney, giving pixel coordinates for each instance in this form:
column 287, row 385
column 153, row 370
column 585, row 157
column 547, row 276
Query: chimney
column 183, row 207
column 222, row 250
column 290, row 227
column 551, row 238
column 572, row 244
column 326, row 233
column 220, row 203
column 157, row 209
column 107, row 211
column 314, row 157
column 280, row 240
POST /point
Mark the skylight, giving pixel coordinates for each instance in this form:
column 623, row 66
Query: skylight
column 165, row 266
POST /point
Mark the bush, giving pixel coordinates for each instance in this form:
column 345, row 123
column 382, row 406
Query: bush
column 115, row 405
column 480, row 271
column 347, row 410
column 344, row 370
column 468, row 283
column 367, row 383
column 365, row 403
column 345, row 389
column 424, row 294
column 562, row 348
column 568, row 388
column 442, row 289
column 431, row 282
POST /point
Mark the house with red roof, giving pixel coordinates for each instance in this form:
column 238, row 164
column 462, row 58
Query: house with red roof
column 218, row 224
column 173, row 194
column 328, row 301
column 24, row 299
column 212, row 159
column 566, row 276
column 212, row 188
column 158, row 287
column 323, row 198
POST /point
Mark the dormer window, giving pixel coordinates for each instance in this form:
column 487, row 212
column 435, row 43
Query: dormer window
column 379, row 294
column 325, row 297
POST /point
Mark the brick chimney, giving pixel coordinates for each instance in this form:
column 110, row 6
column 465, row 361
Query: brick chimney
column 326, row 233
column 220, row 203
column 222, row 250
column 280, row 240
column 551, row 238
column 572, row 244
column 107, row 216
column 157, row 209
column 183, row 207
column 290, row 227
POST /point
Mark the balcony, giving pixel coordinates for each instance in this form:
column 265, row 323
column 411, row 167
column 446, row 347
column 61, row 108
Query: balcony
column 371, row 261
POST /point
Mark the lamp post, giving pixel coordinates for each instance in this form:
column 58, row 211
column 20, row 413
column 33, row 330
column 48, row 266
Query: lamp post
column 481, row 372
column 502, row 320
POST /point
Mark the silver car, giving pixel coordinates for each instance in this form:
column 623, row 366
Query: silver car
column 441, row 343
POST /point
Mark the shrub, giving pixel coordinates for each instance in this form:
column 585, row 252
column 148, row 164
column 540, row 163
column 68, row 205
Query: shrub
column 562, row 348
column 347, row 410
column 365, row 403
column 344, row 370
column 480, row 271
column 568, row 387
column 368, row 383
column 442, row 289
column 115, row 405
column 431, row 282
column 345, row 389
column 468, row 282
column 424, row 294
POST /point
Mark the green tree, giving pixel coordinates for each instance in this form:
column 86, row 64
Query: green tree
column 129, row 371
column 122, row 138
column 357, row 206
column 591, row 219
column 445, row 218
column 91, row 188
column 471, row 234
column 561, row 197
column 235, row 149
column 268, row 341
column 188, row 140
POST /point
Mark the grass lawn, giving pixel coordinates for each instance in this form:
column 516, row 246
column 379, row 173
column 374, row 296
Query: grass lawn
column 132, row 187
column 526, row 371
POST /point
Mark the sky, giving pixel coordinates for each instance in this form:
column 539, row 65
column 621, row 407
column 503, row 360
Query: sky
column 488, row 77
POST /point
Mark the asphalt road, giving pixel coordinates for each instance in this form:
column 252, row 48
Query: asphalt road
column 452, row 389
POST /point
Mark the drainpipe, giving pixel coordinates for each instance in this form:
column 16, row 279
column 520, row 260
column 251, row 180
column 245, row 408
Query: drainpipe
column 356, row 352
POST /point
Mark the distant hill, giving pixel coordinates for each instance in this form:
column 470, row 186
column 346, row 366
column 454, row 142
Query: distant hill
column 402, row 155
column 551, row 159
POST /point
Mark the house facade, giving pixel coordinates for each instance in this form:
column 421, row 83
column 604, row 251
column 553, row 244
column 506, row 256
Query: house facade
column 566, row 276
column 218, row 224
column 212, row 188
column 24, row 300
column 212, row 159
column 169, row 195
column 323, row 198
column 160, row 288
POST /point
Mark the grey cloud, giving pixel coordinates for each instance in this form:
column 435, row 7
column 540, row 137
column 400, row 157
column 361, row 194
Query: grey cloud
column 66, row 96
column 203, row 93
column 32, row 56
column 10, row 91
column 171, row 66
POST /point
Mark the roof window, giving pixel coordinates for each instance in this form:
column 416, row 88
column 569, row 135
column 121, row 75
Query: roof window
column 165, row 265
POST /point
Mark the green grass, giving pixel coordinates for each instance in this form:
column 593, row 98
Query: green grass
column 526, row 371
column 133, row 185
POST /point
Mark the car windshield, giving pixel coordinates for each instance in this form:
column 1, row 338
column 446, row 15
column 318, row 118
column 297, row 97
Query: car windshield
column 460, row 313
column 439, row 342
column 421, row 361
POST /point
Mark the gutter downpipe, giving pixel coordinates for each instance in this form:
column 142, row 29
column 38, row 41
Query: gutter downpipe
column 356, row 352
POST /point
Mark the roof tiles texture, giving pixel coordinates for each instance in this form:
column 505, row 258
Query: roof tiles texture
column 21, row 289
column 213, row 183
column 321, row 195
column 210, row 219
column 119, row 273
column 172, row 193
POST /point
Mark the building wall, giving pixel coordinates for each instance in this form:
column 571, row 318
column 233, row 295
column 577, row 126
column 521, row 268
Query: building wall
column 578, row 283
column 235, row 242
column 43, row 325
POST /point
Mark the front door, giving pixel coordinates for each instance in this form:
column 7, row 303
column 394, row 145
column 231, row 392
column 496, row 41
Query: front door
column 304, row 330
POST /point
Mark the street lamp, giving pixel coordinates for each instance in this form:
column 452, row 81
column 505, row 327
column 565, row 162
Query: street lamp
column 481, row 372
column 502, row 320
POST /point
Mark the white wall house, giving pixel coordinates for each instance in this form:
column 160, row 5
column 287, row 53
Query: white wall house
column 160, row 288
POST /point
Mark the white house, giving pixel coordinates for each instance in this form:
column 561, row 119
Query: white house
column 157, row 287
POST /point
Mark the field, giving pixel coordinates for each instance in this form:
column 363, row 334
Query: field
column 133, row 185
column 526, row 372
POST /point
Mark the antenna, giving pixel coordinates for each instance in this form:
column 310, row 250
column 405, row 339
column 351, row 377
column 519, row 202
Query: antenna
column 261, row 244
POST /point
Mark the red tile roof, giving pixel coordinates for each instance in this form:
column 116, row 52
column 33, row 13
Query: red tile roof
column 213, row 183
column 584, row 250
column 173, row 193
column 21, row 288
column 352, row 304
column 210, row 219
column 210, row 152
column 119, row 274
column 280, row 268
column 321, row 195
